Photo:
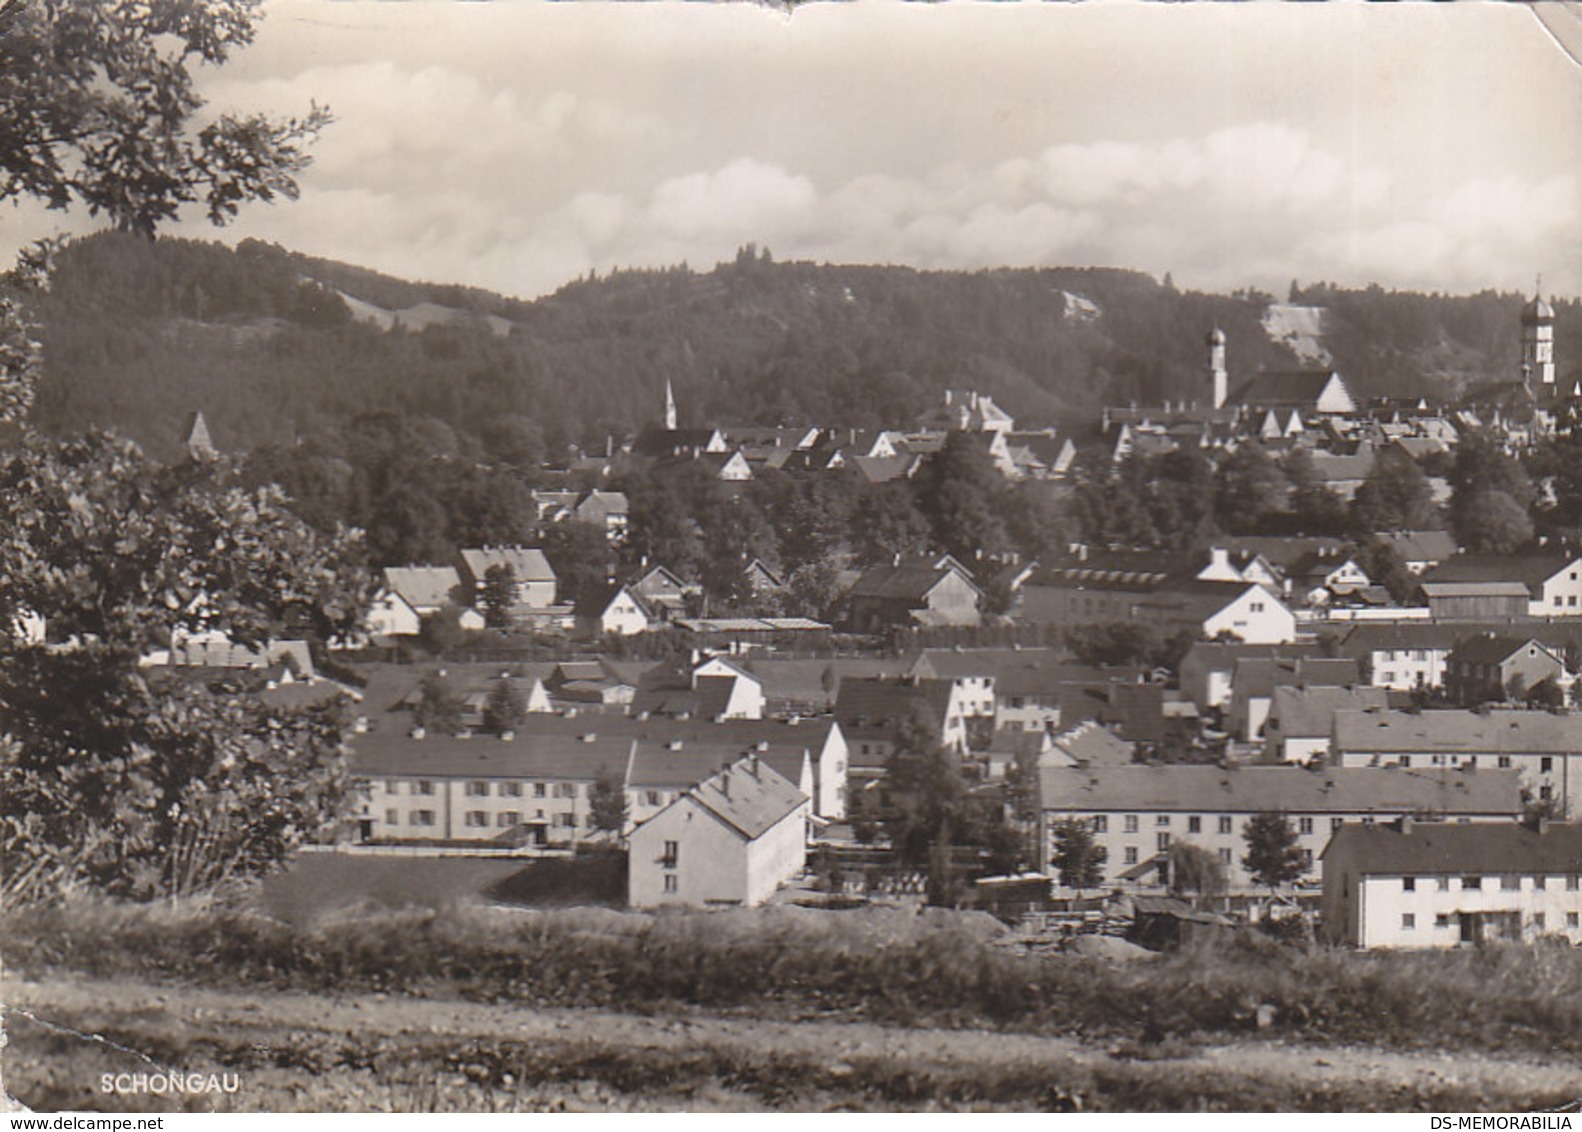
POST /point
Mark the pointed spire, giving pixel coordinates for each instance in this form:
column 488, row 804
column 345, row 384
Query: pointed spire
column 670, row 407
column 199, row 444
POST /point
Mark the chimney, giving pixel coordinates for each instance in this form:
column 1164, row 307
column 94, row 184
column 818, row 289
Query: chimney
column 1219, row 558
column 753, row 765
column 673, row 745
column 1406, row 824
column 725, row 783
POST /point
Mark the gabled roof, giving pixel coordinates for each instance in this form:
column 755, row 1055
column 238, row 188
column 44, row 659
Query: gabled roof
column 1260, row 676
column 423, row 587
column 391, row 751
column 1492, row 649
column 905, row 582
column 1430, row 848
column 1300, row 388
column 1502, row 731
column 1309, row 713
column 1281, row 789
column 749, row 796
column 1531, row 570
column 527, row 563
column 1090, row 744
column 875, row 706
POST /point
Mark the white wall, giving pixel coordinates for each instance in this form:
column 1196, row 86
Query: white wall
column 1385, row 903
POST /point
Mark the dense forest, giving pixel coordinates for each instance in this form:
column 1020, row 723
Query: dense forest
column 275, row 347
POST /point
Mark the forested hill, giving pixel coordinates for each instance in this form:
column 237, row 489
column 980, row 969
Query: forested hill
column 274, row 346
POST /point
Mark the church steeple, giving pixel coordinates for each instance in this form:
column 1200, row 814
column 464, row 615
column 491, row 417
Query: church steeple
column 1538, row 340
column 1219, row 378
column 670, row 407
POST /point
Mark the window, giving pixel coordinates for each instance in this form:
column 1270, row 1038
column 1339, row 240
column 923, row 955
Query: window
column 670, row 883
column 1225, row 858
column 422, row 817
column 1471, row 761
column 1162, row 821
column 1101, row 823
column 672, row 854
column 1539, row 921
column 1503, row 762
column 1444, row 884
column 1304, row 825
column 1540, row 883
column 1307, row 858
column 1408, row 921
column 538, row 790
column 1572, row 883
column 477, row 789
column 1162, row 841
column 1194, row 824
column 1224, row 825
column 566, row 821
column 1546, row 765
column 1572, row 920
column 1388, row 676
column 1511, row 883
column 476, row 818
column 1255, row 607
column 425, row 787
column 565, row 789
column 509, row 818
column 1408, row 884
column 1129, row 856
column 1131, row 823
column 392, row 817
column 1336, row 823
column 1442, row 920
column 1404, row 760
column 392, row 787
column 1472, row 882
column 510, row 789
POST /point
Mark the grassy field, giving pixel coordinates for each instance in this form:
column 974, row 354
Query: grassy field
column 318, row 884
column 894, row 967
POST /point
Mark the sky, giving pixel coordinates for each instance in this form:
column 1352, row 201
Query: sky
column 517, row 145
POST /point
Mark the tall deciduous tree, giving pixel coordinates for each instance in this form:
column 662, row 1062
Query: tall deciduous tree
column 499, row 595
column 101, row 109
column 607, row 805
column 503, row 709
column 1078, row 857
column 1394, row 497
column 1273, row 857
column 141, row 781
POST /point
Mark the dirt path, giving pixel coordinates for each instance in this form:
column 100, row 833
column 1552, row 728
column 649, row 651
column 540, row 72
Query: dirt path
column 373, row 1051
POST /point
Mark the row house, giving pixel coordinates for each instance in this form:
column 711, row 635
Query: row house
column 1136, row 813
column 1544, row 747
column 1418, row 884
column 534, row 785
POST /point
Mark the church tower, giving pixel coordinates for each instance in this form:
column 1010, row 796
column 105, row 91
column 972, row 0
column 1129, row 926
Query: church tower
column 1538, row 343
column 670, row 407
column 1218, row 377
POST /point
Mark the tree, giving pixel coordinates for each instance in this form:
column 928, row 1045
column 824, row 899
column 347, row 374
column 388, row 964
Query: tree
column 1196, row 870
column 1490, row 522
column 499, row 595
column 1078, row 858
column 1273, row 856
column 438, row 707
column 965, row 497
column 145, row 781
column 1248, row 486
column 1394, row 497
column 607, row 806
column 1113, row 642
column 1546, row 694
column 101, row 109
column 503, row 709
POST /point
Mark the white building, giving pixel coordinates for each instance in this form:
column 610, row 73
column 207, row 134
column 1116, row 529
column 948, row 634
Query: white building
column 732, row 839
column 1432, row 884
column 1137, row 812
